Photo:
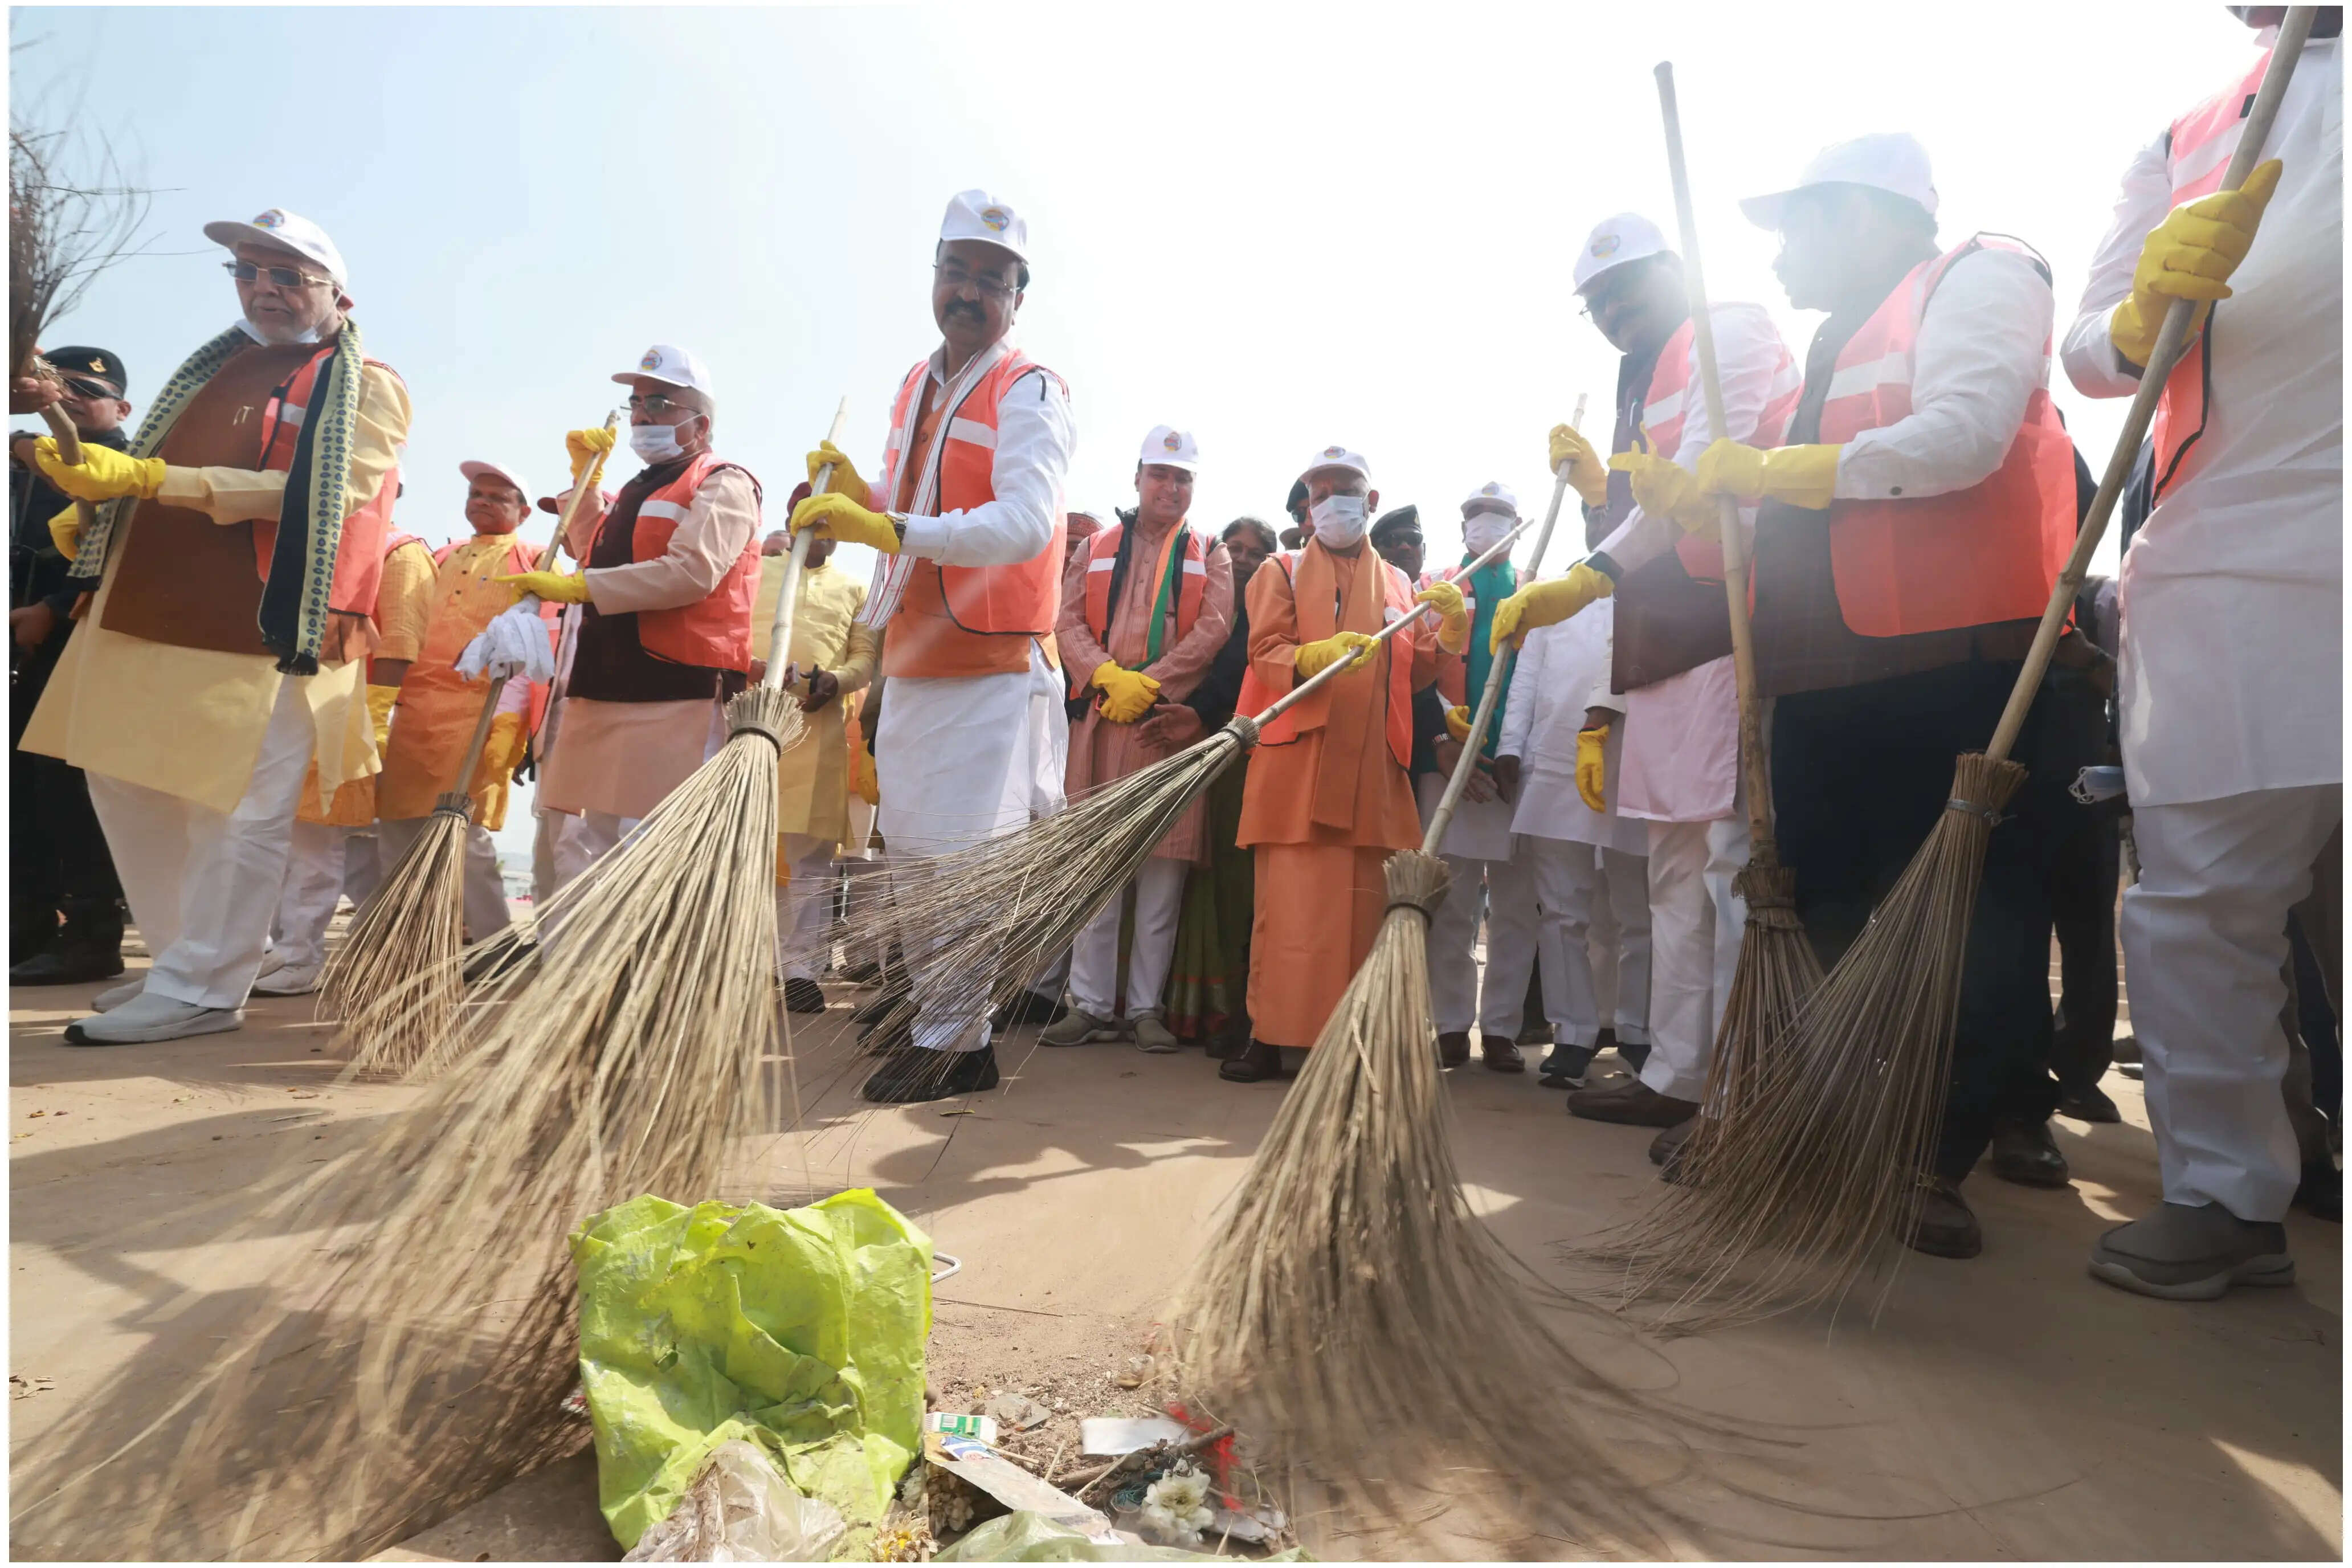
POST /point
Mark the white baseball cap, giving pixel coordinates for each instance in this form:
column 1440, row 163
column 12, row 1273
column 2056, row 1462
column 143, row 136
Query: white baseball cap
column 286, row 231
column 670, row 366
column 1174, row 447
column 474, row 468
column 1337, row 458
column 1494, row 493
column 1615, row 241
column 976, row 215
column 1890, row 161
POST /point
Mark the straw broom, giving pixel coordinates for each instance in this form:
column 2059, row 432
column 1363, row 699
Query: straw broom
column 1824, row 1150
column 421, row 1364
column 396, row 981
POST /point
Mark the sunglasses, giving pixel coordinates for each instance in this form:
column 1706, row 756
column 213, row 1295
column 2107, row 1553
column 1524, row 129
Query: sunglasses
column 284, row 277
column 81, row 388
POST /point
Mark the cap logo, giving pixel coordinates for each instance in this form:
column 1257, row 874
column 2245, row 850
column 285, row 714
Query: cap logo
column 97, row 364
column 1604, row 246
column 273, row 218
column 993, row 219
column 1335, row 451
column 1492, row 490
column 652, row 359
column 1173, row 442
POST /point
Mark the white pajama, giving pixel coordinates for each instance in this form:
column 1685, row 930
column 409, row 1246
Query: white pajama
column 323, row 863
column 547, row 852
column 805, row 907
column 1093, row 956
column 2204, row 936
column 204, row 885
column 1572, row 880
column 485, row 885
column 1696, row 923
column 1490, row 880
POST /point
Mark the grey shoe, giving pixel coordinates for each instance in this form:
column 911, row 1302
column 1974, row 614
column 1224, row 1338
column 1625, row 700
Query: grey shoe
column 1153, row 1037
column 1078, row 1026
column 114, row 997
column 288, row 980
column 145, row 1020
column 2192, row 1253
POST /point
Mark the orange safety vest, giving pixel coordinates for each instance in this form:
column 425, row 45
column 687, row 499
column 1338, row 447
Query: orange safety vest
column 952, row 616
column 1665, row 408
column 2198, row 149
column 521, row 556
column 1969, row 558
column 715, row 631
column 1314, row 623
column 359, row 555
column 1102, row 563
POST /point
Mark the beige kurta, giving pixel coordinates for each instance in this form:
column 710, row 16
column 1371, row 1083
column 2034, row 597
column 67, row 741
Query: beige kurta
column 189, row 722
column 813, row 778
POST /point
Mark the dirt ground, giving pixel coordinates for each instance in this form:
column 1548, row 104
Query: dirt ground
column 2003, row 1407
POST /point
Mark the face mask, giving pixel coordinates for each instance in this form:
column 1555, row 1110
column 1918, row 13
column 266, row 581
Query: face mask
column 307, row 335
column 655, row 443
column 1483, row 530
column 1339, row 521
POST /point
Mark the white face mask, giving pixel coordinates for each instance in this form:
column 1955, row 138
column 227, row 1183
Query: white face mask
column 277, row 336
column 1481, row 532
column 1339, row 521
column 655, row 443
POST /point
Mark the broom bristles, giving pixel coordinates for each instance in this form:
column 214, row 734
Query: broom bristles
column 421, row 1364
column 1824, row 1137
column 396, row 982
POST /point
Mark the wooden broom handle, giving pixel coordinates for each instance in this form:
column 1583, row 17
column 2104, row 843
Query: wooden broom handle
column 2171, row 339
column 68, row 446
column 1736, row 565
column 788, row 593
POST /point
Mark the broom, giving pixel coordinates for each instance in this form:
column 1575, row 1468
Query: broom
column 395, row 980
column 1822, row 1151
column 1367, row 1319
column 418, row 1358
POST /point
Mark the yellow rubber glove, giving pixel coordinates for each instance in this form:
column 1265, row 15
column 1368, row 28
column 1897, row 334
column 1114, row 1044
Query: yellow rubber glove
column 844, row 481
column 500, row 752
column 65, row 532
column 380, row 702
column 102, row 473
column 1586, row 471
column 838, row 517
column 1457, row 723
column 1592, row 768
column 585, row 446
column 1314, row 657
column 1663, row 488
column 1453, row 614
column 2189, row 256
column 862, row 781
column 1546, row 604
column 1801, row 476
column 1127, row 694
column 553, row 587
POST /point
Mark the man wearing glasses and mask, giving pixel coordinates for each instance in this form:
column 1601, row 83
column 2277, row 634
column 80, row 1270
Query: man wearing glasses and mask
column 967, row 513
column 666, row 587
column 235, row 552
column 66, row 906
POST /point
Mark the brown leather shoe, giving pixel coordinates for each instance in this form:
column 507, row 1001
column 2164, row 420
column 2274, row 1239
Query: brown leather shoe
column 1665, row 1149
column 1633, row 1103
column 1453, row 1048
column 1939, row 1221
column 1501, row 1054
column 1254, row 1064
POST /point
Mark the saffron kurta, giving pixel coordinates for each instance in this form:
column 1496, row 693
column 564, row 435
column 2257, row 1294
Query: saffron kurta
column 812, row 777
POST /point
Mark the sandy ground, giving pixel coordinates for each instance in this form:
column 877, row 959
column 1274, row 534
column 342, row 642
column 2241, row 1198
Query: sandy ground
column 2004, row 1408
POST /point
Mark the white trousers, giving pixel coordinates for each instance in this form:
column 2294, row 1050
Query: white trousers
column 2204, row 935
column 1094, row 957
column 323, row 865
column 961, row 759
column 804, row 908
column 1504, row 892
column 1696, row 925
column 590, row 836
column 485, row 885
column 1572, row 882
column 554, row 827
column 201, row 885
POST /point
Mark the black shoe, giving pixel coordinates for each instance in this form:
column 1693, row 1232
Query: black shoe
column 1634, row 1054
column 1565, row 1067
column 1501, row 1054
column 1453, row 1047
column 499, row 961
column 1029, row 1007
column 2321, row 1196
column 2087, row 1104
column 1254, row 1064
column 911, row 1076
column 804, row 996
column 870, row 1015
column 1939, row 1221
column 866, row 973
column 68, row 963
column 2024, row 1152
column 32, row 927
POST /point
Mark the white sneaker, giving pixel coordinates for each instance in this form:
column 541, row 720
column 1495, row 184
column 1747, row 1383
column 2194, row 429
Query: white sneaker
column 146, row 1018
column 287, row 979
column 114, row 997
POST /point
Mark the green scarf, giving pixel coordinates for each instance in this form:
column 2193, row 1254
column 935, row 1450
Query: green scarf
column 1490, row 586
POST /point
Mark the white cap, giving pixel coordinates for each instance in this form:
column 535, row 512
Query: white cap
column 670, row 366
column 1891, row 161
column 1492, row 494
column 1174, row 447
column 976, row 215
column 474, row 468
column 1615, row 241
column 1337, row 458
column 286, row 231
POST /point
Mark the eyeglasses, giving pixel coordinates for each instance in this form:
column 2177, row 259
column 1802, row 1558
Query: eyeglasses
column 957, row 277
column 652, row 403
column 1610, row 290
column 284, row 277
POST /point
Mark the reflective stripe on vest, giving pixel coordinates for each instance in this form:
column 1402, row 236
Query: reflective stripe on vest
column 1665, row 410
column 1972, row 557
column 715, row 631
column 1102, row 561
column 1256, row 696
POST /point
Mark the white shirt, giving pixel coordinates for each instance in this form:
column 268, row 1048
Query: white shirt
column 2233, row 591
column 1560, row 669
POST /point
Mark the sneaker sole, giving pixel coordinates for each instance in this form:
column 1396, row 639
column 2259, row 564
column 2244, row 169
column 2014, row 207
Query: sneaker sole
column 272, row 991
column 2272, row 1268
column 74, row 1036
column 1091, row 1037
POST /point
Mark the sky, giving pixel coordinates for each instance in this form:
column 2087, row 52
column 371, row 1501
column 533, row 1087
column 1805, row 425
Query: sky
column 1278, row 226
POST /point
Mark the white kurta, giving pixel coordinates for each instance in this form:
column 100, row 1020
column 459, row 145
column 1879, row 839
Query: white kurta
column 1563, row 668
column 2233, row 591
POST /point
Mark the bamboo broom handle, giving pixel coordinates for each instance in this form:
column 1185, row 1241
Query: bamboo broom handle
column 788, row 594
column 2171, row 339
column 1497, row 669
column 1736, row 565
column 69, row 446
column 459, row 796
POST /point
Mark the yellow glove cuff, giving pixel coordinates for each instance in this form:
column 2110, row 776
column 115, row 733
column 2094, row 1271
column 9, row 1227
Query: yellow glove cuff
column 1457, row 721
column 1803, row 476
column 65, row 532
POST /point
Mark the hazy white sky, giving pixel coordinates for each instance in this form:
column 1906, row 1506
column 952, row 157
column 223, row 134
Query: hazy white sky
column 1280, row 227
